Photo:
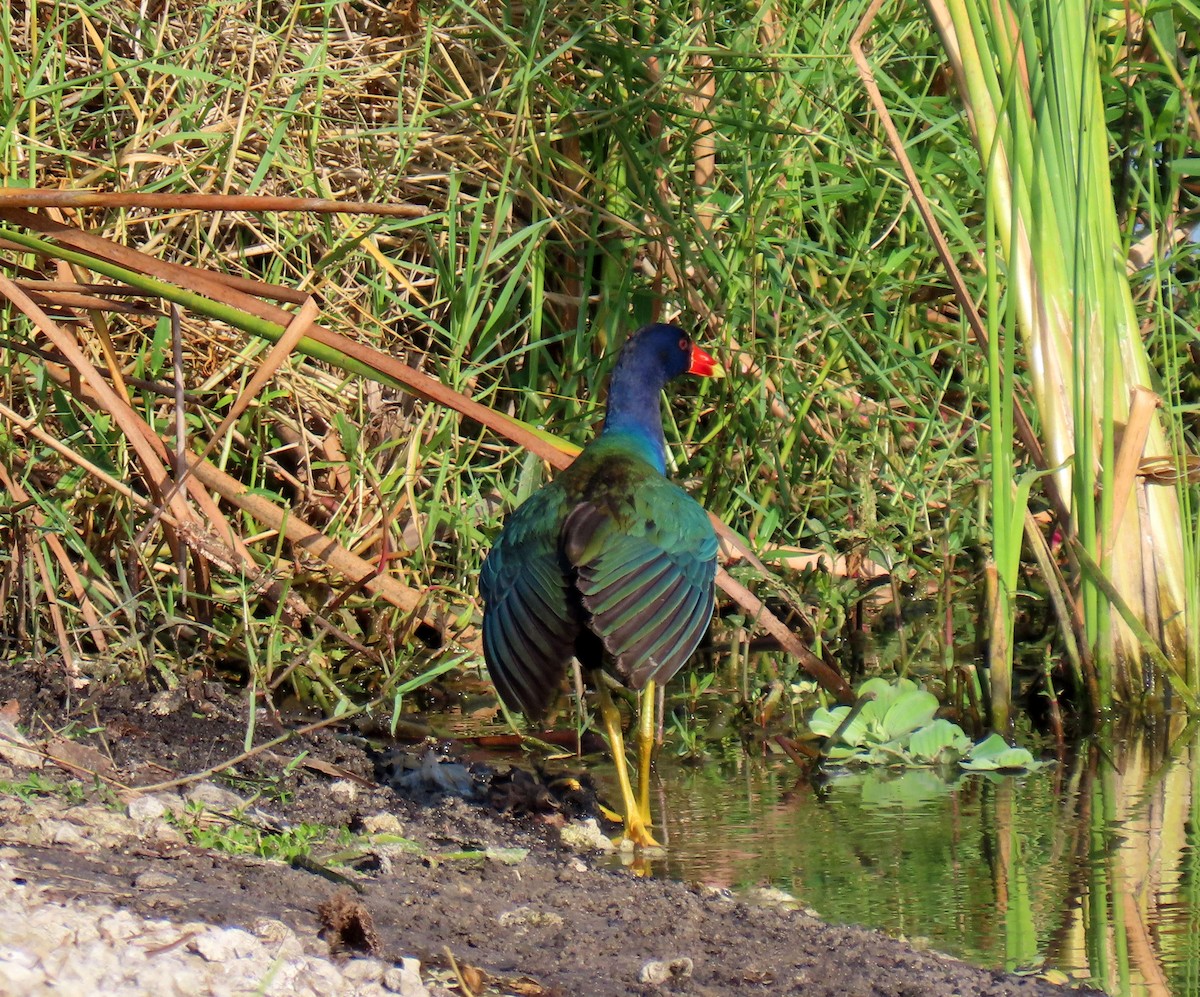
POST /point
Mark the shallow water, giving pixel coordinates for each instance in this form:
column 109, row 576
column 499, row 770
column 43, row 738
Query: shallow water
column 1091, row 867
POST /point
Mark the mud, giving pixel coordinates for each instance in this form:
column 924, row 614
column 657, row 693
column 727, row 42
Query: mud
column 490, row 903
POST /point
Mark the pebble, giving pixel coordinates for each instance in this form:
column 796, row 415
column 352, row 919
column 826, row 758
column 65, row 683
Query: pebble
column 213, row 797
column 523, row 918
column 383, row 823
column 343, row 792
column 405, row 979
column 152, row 880
column 63, row 833
column 363, row 970
column 146, row 808
column 83, row 949
column 660, row 971
column 16, row 748
column 585, row 836
column 771, row 896
column 226, row 944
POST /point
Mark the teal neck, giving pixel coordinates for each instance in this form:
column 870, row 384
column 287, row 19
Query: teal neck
column 651, row 358
column 650, row 447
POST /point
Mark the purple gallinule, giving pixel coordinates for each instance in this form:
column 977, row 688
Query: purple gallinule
column 609, row 563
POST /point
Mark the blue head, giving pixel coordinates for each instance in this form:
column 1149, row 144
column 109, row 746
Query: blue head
column 651, row 357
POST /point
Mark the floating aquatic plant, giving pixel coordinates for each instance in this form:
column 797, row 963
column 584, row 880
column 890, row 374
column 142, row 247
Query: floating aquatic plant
column 895, row 724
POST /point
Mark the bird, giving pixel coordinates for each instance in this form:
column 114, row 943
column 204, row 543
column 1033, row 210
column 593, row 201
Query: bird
column 610, row 563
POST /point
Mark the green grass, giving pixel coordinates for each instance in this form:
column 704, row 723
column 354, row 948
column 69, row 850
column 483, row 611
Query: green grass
column 554, row 148
column 235, row 837
column 35, row 785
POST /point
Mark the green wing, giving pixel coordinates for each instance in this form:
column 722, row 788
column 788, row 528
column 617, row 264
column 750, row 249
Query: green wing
column 645, row 568
column 529, row 624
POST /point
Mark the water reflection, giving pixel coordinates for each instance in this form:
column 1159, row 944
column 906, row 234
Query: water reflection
column 1091, row 867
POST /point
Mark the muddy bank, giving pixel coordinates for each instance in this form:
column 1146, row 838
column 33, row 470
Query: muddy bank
column 488, row 903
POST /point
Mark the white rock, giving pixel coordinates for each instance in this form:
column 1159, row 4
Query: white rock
column 19, row 980
column 383, row 823
column 660, row 971
column 225, row 945
column 84, row 949
column 363, row 970
column 15, row 747
column 585, row 836
column 11, row 955
column 405, row 979
column 62, row 832
column 343, row 792
column 118, row 926
column 278, row 939
column 213, row 797
column 146, row 808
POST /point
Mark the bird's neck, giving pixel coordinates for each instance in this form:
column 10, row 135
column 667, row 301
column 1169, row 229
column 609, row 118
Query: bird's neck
column 638, row 428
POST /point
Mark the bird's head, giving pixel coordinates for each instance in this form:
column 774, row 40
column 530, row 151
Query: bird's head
column 651, row 357
column 663, row 352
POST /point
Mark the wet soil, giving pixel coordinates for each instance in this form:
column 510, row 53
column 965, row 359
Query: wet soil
column 546, row 921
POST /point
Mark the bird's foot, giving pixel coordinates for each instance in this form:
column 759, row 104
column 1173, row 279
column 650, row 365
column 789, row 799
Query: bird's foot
column 637, row 835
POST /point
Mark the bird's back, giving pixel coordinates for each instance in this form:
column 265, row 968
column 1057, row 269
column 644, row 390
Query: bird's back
column 611, row 563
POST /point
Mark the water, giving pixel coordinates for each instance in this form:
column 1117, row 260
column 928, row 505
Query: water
column 1091, row 868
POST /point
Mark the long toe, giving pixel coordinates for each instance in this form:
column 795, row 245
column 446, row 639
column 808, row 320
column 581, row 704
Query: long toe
column 637, row 833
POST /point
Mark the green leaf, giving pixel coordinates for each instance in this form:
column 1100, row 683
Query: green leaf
column 911, row 788
column 826, row 722
column 994, row 754
column 940, row 742
column 911, row 711
column 881, row 689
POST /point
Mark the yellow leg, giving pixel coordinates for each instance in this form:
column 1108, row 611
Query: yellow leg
column 636, row 829
column 646, row 710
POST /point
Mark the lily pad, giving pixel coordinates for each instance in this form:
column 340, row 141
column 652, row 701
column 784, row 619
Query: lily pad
column 994, row 754
column 910, row 712
column 826, row 722
column 907, row 789
column 939, row 743
column 895, row 726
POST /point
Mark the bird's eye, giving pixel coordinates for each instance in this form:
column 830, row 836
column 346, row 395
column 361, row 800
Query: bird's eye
column 683, row 343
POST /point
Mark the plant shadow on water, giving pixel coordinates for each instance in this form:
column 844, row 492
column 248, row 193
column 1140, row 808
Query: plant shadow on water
column 1090, row 868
